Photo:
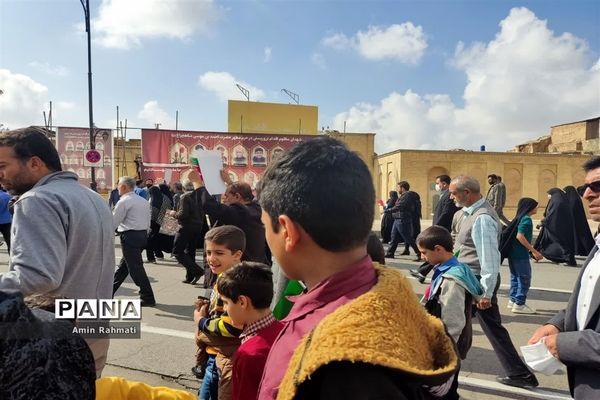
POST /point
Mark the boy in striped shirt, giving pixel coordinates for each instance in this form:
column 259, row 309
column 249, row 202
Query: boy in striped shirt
column 224, row 247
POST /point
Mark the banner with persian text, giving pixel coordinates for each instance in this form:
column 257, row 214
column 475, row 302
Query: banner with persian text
column 245, row 156
column 72, row 144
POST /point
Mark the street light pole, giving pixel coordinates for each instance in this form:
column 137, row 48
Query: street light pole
column 86, row 11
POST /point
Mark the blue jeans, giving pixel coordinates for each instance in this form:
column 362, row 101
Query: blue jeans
column 210, row 382
column 520, row 280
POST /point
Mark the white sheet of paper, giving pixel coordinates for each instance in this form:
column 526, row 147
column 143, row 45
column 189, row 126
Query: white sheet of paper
column 211, row 164
column 168, row 175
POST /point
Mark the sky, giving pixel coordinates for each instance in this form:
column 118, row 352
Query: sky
column 423, row 74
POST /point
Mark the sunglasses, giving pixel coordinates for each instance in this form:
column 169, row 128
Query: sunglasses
column 594, row 187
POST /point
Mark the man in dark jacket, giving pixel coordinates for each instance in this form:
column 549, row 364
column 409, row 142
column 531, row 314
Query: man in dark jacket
column 237, row 208
column 405, row 212
column 442, row 216
column 190, row 216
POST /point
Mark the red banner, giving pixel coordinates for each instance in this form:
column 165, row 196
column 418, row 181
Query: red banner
column 245, row 156
column 72, row 143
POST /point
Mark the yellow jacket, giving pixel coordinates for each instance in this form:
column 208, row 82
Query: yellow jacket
column 114, row 388
column 387, row 327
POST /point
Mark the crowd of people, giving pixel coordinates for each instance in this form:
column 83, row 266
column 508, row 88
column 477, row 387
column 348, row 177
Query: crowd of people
column 354, row 329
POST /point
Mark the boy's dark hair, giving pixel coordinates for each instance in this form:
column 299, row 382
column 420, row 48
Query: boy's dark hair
column 229, row 236
column 444, row 178
column 591, row 164
column 493, row 176
column 251, row 279
column 433, row 236
column 405, row 185
column 32, row 142
column 325, row 188
column 241, row 188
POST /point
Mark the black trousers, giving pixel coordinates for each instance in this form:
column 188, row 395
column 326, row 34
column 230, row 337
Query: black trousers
column 184, row 249
column 154, row 248
column 132, row 244
column 491, row 324
column 425, row 268
column 5, row 230
column 403, row 229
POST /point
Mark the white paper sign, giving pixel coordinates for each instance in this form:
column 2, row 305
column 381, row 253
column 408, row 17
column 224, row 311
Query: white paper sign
column 211, row 164
column 168, row 175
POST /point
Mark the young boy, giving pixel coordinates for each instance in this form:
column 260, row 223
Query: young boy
column 224, row 246
column 318, row 206
column 452, row 290
column 247, row 291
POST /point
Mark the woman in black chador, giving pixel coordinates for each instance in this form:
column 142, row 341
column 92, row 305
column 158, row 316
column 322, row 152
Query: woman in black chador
column 584, row 241
column 556, row 240
column 387, row 220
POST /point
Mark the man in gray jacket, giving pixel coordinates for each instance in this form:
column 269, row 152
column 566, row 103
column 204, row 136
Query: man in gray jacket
column 63, row 241
column 573, row 335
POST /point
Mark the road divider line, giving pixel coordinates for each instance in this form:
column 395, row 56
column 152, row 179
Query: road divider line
column 495, row 386
column 167, row 332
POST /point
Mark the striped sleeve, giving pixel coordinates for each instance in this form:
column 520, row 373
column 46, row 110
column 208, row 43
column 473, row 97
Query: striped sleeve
column 218, row 326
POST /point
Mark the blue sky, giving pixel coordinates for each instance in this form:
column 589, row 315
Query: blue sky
column 420, row 74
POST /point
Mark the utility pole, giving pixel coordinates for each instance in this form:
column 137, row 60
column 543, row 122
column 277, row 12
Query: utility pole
column 86, row 11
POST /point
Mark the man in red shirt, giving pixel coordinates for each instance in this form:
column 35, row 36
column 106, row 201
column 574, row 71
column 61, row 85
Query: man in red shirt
column 247, row 291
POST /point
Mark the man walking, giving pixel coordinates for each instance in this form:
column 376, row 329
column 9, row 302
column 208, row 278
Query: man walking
column 496, row 196
column 131, row 219
column 573, row 334
column 404, row 213
column 190, row 216
column 442, row 216
column 477, row 246
column 62, row 233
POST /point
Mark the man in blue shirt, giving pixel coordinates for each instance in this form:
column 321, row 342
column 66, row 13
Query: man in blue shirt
column 5, row 216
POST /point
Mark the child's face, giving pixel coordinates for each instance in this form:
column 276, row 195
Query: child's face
column 220, row 258
column 236, row 310
column 434, row 256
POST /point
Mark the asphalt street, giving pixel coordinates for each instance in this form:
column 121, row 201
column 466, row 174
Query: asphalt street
column 165, row 353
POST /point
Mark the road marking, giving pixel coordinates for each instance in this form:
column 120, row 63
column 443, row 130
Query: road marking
column 506, row 287
column 496, row 386
column 167, row 332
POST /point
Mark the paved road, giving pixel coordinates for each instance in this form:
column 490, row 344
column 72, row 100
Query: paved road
column 164, row 354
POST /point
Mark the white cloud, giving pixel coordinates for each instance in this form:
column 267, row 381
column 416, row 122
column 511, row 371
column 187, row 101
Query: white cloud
column 23, row 100
column 401, row 42
column 519, row 84
column 223, row 85
column 268, row 54
column 56, row 70
column 152, row 114
column 318, row 60
column 125, row 23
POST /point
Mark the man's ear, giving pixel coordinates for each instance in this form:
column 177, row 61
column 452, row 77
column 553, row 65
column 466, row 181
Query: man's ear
column 291, row 232
column 36, row 163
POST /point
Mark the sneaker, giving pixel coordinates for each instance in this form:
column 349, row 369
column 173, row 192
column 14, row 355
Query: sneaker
column 523, row 309
column 523, row 381
column 417, row 275
column 510, row 304
column 388, row 255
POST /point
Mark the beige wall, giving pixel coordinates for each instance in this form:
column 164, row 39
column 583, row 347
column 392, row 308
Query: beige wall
column 525, row 175
column 361, row 143
column 271, row 118
column 125, row 154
